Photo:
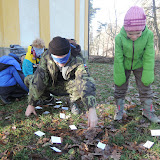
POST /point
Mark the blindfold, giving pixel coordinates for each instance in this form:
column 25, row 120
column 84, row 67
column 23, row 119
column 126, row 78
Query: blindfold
column 62, row 60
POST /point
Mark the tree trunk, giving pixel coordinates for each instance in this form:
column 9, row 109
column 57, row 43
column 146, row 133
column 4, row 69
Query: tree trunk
column 155, row 24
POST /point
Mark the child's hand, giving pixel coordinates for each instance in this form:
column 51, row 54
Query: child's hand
column 30, row 109
column 92, row 118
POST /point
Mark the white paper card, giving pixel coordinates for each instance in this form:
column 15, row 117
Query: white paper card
column 38, row 107
column 56, row 149
column 55, row 139
column 148, row 144
column 39, row 133
column 59, row 102
column 62, row 115
column 68, row 116
column 57, row 106
column 155, row 132
column 46, row 112
column 51, row 94
column 50, row 104
column 101, row 145
column 73, row 127
column 65, row 108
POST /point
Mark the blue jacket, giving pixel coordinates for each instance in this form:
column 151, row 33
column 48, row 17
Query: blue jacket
column 10, row 71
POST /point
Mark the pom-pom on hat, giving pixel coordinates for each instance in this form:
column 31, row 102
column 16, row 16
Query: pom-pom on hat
column 135, row 19
column 59, row 46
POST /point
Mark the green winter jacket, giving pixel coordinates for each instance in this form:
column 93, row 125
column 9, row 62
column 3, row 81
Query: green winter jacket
column 131, row 55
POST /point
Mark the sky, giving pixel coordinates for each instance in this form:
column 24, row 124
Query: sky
column 106, row 14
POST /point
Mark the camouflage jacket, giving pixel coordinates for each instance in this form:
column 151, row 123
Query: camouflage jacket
column 47, row 72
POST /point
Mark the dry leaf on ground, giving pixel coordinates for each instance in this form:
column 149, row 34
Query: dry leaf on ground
column 116, row 155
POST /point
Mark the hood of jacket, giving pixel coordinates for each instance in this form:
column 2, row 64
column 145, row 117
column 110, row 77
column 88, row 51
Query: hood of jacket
column 11, row 60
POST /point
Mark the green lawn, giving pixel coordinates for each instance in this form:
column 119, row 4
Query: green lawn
column 124, row 140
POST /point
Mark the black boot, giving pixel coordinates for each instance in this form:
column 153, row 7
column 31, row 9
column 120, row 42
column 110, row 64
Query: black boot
column 5, row 100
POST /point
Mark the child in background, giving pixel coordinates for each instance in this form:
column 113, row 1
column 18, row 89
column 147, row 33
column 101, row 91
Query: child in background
column 134, row 51
column 11, row 78
column 33, row 56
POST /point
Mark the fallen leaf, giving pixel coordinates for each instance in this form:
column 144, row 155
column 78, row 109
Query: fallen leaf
column 19, row 111
column 128, row 99
column 1, row 113
column 71, row 151
column 47, row 144
column 32, row 147
column 116, row 155
column 127, row 106
column 8, row 117
column 39, row 125
column 145, row 125
column 129, row 147
column 45, row 140
column 2, row 143
column 14, row 127
column 36, row 157
column 39, row 141
column 84, row 147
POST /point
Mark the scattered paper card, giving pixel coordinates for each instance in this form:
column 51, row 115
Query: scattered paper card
column 101, row 145
column 62, row 115
column 68, row 116
column 59, row 102
column 148, row 144
column 50, row 104
column 65, row 108
column 55, row 139
column 51, row 94
column 39, row 133
column 155, row 132
column 38, row 107
column 57, row 106
column 73, row 127
column 46, row 112
column 56, row 149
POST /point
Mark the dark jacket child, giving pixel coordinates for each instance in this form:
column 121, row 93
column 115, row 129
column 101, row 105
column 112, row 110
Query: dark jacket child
column 11, row 78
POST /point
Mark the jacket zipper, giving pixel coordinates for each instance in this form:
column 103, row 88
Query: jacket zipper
column 132, row 56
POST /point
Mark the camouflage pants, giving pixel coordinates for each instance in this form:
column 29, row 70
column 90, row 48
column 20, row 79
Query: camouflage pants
column 61, row 88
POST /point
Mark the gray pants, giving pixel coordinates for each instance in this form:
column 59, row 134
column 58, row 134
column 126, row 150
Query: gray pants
column 145, row 92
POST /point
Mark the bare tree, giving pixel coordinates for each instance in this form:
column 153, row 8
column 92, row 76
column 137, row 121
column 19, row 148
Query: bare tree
column 155, row 23
column 152, row 10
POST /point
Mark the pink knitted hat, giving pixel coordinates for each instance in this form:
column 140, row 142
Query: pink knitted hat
column 135, row 19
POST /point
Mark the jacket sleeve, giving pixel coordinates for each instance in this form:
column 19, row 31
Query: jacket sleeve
column 27, row 67
column 119, row 71
column 18, row 78
column 39, row 82
column 148, row 62
column 85, row 86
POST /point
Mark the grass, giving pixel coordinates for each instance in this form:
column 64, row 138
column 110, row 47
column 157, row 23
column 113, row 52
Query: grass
column 124, row 139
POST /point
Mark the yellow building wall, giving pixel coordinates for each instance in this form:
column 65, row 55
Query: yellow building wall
column 9, row 27
column 77, row 20
column 1, row 24
column 86, row 37
column 44, row 20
